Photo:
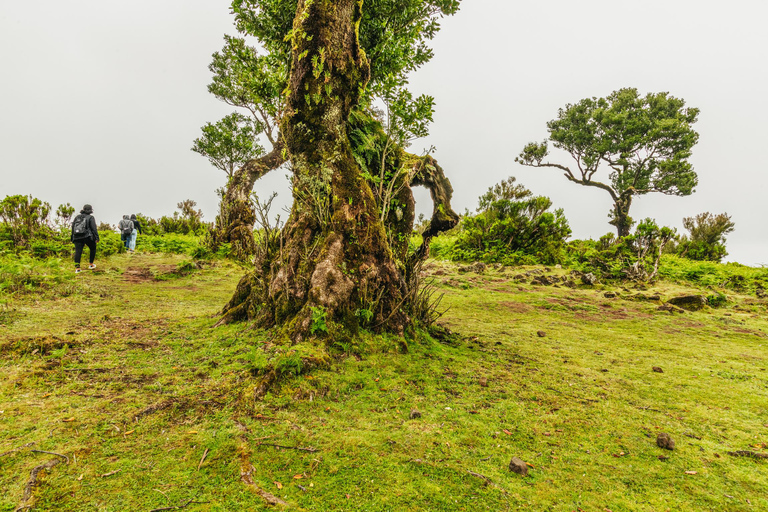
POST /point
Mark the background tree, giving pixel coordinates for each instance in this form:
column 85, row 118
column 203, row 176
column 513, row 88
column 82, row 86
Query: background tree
column 344, row 247
column 706, row 238
column 230, row 143
column 513, row 226
column 643, row 141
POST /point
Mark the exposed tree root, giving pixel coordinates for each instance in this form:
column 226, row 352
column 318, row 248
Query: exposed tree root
column 26, row 499
column 247, row 469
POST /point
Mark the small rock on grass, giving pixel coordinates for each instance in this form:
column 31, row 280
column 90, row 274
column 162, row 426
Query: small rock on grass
column 658, row 369
column 664, row 440
column 483, row 382
column 516, row 465
column 541, row 334
column 415, row 413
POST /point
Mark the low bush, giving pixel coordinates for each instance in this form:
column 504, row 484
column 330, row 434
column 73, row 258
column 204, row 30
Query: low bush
column 513, row 227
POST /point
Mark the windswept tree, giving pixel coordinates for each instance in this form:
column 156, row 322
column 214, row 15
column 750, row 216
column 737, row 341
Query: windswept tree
column 643, row 142
column 341, row 260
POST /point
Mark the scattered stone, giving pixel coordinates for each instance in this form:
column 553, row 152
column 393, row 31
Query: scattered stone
column 655, row 297
column 483, row 382
column 658, row 369
column 415, row 414
column 542, row 280
column 609, row 295
column 558, row 266
column 588, row 279
column 519, row 277
column 664, row 440
column 689, row 302
column 760, row 292
column 547, row 269
column 570, row 283
column 671, row 308
column 516, row 465
column 477, row 267
column 541, row 334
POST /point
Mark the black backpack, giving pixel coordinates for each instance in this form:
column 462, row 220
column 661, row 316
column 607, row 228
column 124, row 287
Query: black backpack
column 80, row 227
column 126, row 227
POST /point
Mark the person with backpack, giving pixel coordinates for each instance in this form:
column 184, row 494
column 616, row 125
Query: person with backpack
column 126, row 229
column 136, row 229
column 85, row 232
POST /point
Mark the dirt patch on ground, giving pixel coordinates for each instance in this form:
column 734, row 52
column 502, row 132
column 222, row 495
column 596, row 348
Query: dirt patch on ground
column 516, row 307
column 138, row 274
column 144, row 274
column 612, row 314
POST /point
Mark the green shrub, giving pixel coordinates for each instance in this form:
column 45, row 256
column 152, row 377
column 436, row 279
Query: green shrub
column 512, row 226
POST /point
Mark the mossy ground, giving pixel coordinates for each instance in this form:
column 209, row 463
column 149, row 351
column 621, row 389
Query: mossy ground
column 126, row 377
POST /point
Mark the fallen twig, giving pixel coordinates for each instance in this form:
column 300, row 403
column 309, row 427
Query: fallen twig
column 190, row 502
column 308, row 449
column 16, row 449
column 52, row 453
column 33, row 482
column 749, row 453
column 482, row 477
column 205, row 454
column 110, row 473
column 692, row 436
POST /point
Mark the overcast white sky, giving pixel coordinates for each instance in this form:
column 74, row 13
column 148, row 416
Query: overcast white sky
column 100, row 101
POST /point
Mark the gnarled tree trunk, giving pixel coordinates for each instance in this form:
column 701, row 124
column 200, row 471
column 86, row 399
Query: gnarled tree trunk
column 234, row 224
column 335, row 261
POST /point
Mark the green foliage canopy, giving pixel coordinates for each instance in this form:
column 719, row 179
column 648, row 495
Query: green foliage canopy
column 230, row 142
column 394, row 35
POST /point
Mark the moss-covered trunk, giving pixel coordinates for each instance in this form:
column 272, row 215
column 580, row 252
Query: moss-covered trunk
column 235, row 221
column 620, row 215
column 334, row 263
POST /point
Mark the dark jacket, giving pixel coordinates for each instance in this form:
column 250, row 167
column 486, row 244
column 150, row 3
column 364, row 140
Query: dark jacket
column 136, row 225
column 93, row 232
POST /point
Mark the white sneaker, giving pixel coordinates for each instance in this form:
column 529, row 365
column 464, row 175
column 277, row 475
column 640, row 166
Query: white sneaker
column 91, row 266
column 77, row 270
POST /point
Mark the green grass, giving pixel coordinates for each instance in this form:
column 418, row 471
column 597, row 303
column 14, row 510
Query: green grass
column 127, row 375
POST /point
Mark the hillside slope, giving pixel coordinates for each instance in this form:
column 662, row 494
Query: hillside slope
column 149, row 408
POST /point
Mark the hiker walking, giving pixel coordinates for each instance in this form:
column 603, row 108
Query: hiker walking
column 136, row 232
column 84, row 232
column 126, row 229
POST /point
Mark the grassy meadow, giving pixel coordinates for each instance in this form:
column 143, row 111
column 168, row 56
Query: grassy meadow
column 119, row 375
